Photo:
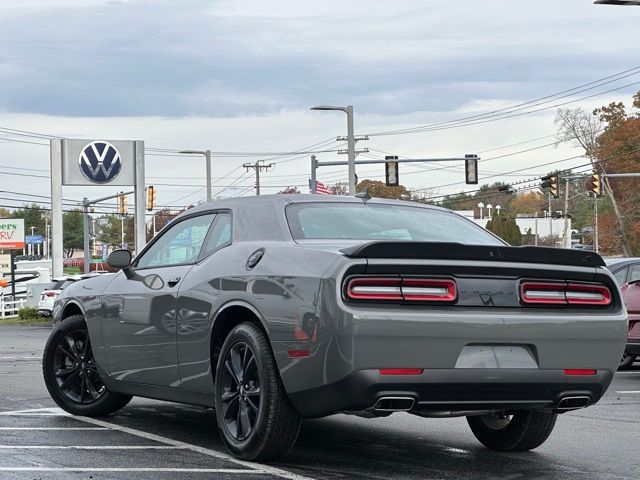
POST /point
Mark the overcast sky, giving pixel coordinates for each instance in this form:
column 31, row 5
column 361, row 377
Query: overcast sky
column 241, row 76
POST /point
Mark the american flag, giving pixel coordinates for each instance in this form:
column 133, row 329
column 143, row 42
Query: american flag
column 322, row 189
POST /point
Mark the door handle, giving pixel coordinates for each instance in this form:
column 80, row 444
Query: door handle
column 173, row 281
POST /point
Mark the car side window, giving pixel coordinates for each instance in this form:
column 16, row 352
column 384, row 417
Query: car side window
column 181, row 244
column 621, row 276
column 634, row 273
column 219, row 235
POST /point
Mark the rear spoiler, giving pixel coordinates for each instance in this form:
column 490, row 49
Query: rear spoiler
column 458, row 251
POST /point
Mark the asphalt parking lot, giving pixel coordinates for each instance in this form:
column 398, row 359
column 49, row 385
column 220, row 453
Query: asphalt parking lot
column 159, row 440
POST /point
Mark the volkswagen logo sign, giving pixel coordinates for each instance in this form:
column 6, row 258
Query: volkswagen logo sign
column 100, row 162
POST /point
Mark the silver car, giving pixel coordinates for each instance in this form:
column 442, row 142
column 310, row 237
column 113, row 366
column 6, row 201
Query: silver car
column 277, row 308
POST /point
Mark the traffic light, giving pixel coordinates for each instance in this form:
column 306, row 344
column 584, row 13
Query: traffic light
column 391, row 173
column 551, row 181
column 595, row 185
column 471, row 169
column 151, row 197
column 122, row 204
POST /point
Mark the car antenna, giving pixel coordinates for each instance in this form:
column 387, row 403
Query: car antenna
column 364, row 195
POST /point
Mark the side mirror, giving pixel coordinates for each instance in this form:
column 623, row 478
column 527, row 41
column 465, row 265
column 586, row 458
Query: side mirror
column 120, row 259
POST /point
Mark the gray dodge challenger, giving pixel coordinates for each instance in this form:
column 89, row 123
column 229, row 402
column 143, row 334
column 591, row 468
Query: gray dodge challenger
column 277, row 308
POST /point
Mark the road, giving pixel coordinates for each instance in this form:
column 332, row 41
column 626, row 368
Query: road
column 159, row 440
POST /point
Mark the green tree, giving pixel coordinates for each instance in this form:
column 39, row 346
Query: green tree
column 110, row 227
column 33, row 216
column 506, row 228
column 73, row 232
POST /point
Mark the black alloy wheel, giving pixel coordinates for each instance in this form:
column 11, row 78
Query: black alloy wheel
column 75, row 370
column 241, row 391
column 255, row 417
column 71, row 374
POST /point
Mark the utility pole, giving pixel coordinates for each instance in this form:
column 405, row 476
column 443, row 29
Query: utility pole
column 550, row 221
column 596, row 243
column 257, row 167
column 351, row 143
column 567, row 244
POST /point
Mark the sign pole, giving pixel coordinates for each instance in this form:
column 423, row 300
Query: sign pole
column 56, row 207
column 140, row 206
column 13, row 274
column 85, row 235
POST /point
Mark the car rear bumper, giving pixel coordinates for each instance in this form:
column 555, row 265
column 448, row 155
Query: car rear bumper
column 451, row 390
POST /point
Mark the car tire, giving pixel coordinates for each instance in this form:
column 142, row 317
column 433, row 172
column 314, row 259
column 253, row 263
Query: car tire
column 71, row 375
column 256, row 419
column 627, row 361
column 519, row 431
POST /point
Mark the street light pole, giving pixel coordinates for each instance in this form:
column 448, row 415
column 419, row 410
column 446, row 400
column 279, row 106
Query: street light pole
column 351, row 143
column 207, row 156
column 351, row 151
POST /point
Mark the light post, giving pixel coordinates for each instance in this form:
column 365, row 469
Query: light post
column 489, row 207
column 207, row 156
column 351, row 142
column 481, row 206
column 498, row 207
column 30, row 250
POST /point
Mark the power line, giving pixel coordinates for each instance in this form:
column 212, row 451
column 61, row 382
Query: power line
column 521, row 106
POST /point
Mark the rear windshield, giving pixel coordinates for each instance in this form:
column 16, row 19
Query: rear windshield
column 361, row 221
column 55, row 285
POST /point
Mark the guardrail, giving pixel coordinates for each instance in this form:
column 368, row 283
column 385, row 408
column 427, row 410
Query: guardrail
column 10, row 308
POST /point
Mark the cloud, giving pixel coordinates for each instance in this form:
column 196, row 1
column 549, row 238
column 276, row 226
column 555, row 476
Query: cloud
column 226, row 59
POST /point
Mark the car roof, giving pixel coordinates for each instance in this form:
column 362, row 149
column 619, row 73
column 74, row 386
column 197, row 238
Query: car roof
column 622, row 262
column 261, row 218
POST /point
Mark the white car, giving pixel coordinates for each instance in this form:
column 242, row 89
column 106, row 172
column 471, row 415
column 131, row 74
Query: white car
column 49, row 294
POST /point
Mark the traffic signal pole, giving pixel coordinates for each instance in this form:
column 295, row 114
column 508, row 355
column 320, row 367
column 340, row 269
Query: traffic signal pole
column 86, row 203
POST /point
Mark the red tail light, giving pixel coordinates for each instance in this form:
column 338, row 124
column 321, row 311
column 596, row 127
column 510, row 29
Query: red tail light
column 427, row 289
column 400, row 288
column 562, row 293
column 400, row 371
column 370, row 288
column 49, row 294
column 579, row 371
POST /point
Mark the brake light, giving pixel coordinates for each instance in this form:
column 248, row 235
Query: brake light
column 427, row 289
column 579, row 371
column 562, row 293
column 584, row 294
column 412, row 289
column 369, row 288
column 400, row 371
column 49, row 294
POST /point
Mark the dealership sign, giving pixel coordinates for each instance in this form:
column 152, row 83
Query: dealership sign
column 12, row 234
column 98, row 162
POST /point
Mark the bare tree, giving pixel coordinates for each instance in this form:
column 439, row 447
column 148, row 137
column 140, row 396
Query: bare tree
column 577, row 127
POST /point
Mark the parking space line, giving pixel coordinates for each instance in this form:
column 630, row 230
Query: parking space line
column 55, row 428
column 254, row 467
column 627, row 391
column 90, row 447
column 132, row 469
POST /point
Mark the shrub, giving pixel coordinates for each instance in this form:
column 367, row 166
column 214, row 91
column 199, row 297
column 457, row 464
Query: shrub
column 28, row 313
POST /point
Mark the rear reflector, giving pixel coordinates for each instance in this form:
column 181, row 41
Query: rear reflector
column 579, row 371
column 298, row 353
column 401, row 371
column 412, row 289
column 562, row 293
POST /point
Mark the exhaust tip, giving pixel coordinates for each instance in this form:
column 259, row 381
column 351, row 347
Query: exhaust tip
column 394, row 404
column 573, row 402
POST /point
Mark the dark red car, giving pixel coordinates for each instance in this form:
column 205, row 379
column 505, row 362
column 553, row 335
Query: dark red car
column 631, row 295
